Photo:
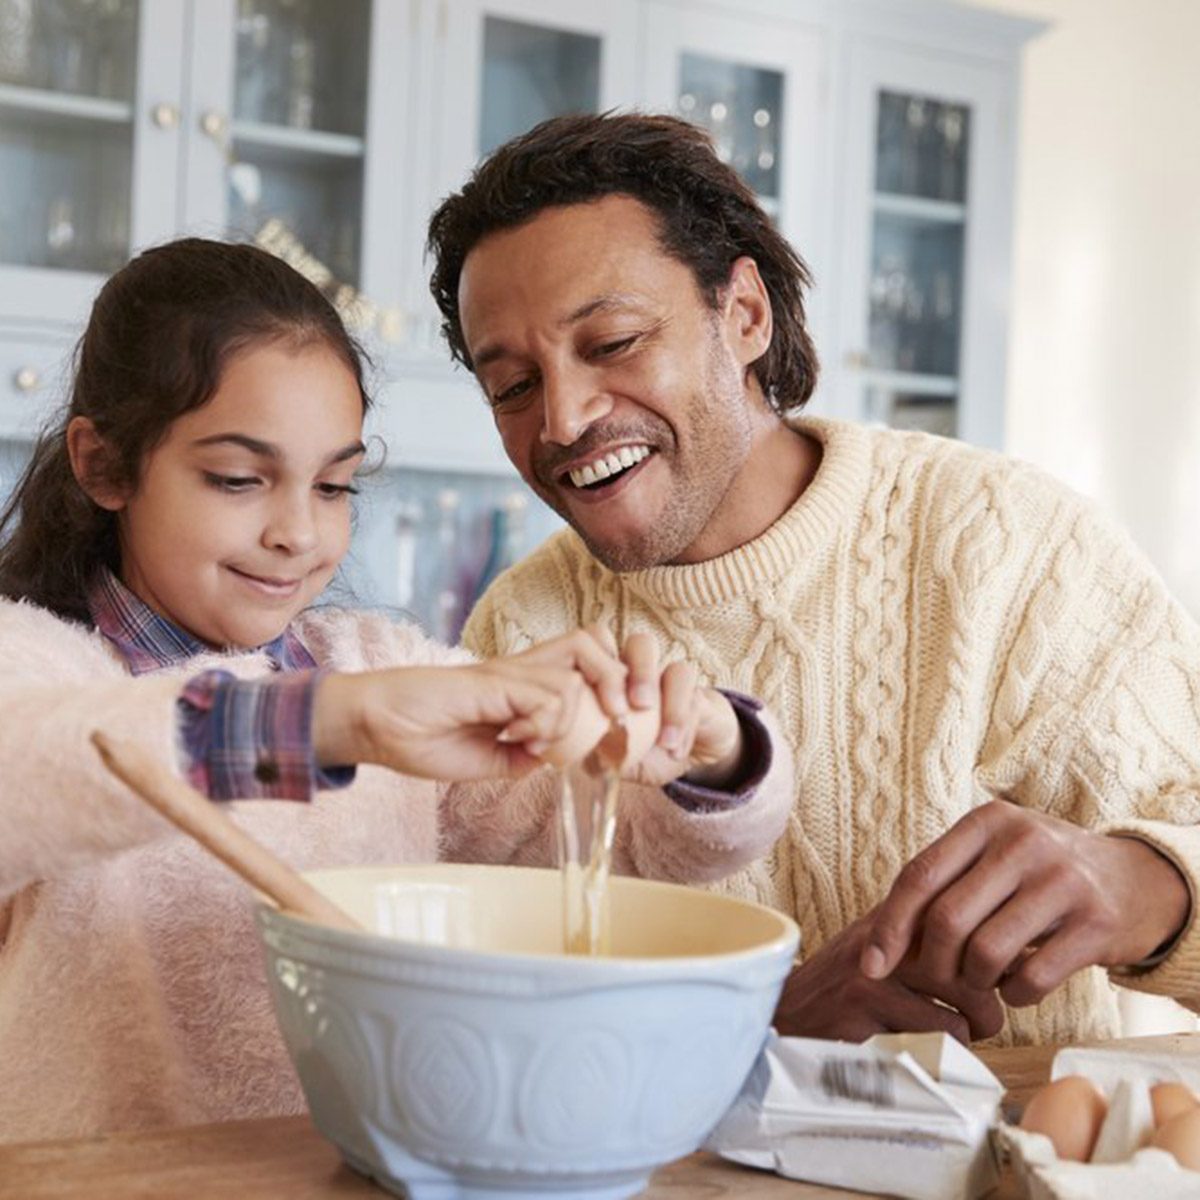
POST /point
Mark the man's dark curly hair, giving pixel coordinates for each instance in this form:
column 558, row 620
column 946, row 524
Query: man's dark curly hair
column 708, row 218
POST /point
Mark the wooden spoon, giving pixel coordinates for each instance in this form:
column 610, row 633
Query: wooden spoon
column 200, row 818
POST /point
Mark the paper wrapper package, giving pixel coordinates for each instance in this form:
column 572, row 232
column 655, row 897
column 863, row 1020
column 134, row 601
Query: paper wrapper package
column 902, row 1114
column 1123, row 1165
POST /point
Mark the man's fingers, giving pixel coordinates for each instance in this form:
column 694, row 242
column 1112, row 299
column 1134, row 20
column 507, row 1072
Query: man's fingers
column 901, row 1010
column 640, row 655
column 1048, row 965
column 951, row 921
column 996, row 948
column 679, row 709
column 924, row 877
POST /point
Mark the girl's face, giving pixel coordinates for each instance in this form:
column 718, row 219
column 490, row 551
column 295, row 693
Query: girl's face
column 242, row 512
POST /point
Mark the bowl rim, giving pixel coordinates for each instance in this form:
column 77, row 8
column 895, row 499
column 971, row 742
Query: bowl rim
column 787, row 939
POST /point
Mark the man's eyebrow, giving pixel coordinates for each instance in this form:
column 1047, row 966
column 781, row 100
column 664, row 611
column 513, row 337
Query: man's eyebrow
column 609, row 302
column 267, row 450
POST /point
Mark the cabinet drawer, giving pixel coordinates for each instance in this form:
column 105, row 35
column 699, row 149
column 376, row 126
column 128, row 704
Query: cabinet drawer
column 35, row 375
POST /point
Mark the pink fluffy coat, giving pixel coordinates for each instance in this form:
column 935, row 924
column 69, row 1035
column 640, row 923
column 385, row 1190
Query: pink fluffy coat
column 132, row 992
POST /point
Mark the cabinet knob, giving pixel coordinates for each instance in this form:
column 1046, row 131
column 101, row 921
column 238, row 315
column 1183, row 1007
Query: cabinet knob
column 165, row 116
column 856, row 359
column 213, row 124
column 26, row 379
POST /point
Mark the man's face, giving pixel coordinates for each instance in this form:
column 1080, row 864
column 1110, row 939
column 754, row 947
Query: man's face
column 620, row 395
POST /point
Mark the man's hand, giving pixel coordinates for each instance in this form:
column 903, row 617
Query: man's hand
column 1019, row 900
column 828, row 996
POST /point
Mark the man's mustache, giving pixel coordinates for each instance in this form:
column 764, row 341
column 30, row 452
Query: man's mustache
column 549, row 461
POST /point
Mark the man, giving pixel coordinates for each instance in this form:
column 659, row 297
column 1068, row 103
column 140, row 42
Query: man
column 993, row 703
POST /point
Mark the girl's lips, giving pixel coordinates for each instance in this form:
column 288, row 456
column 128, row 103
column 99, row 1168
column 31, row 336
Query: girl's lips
column 268, row 586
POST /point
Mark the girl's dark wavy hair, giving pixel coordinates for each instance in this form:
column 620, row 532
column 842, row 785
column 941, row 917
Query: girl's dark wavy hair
column 160, row 333
column 707, row 217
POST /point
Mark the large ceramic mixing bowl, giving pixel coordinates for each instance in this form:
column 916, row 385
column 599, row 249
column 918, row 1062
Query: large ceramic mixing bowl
column 463, row 1056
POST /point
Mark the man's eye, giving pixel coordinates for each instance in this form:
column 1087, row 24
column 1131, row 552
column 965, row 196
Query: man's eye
column 511, row 393
column 607, row 349
column 231, row 483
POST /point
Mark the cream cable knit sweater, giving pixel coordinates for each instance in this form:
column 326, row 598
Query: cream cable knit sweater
column 131, row 980
column 935, row 626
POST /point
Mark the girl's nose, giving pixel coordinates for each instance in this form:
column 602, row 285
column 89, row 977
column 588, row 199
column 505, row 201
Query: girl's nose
column 292, row 526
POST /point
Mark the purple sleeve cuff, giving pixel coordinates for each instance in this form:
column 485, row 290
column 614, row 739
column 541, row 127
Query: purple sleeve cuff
column 757, row 755
column 251, row 738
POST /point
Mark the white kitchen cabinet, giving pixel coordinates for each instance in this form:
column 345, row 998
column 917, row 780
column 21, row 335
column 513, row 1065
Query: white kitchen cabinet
column 127, row 122
column 124, row 123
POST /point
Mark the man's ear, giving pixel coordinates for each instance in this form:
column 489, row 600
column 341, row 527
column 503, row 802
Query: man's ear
column 90, row 455
column 747, row 312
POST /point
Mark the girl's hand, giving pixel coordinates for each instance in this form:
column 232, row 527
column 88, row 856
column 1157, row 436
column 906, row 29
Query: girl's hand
column 446, row 722
column 503, row 717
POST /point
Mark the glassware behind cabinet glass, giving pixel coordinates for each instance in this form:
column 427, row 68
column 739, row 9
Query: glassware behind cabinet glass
column 921, row 147
column 915, row 295
column 81, row 47
column 742, row 107
column 302, row 64
column 532, row 73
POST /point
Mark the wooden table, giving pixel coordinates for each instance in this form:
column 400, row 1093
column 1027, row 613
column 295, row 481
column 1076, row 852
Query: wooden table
column 284, row 1158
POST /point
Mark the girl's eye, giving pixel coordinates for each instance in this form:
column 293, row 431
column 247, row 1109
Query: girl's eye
column 231, row 483
column 336, row 491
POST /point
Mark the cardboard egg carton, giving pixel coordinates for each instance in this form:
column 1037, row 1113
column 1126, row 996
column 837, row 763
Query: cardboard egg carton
column 1122, row 1164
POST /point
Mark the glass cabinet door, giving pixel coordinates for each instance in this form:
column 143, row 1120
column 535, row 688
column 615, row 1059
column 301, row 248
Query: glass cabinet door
column 757, row 87
column 497, row 68
column 297, row 139
column 67, row 79
column 921, row 175
column 76, row 114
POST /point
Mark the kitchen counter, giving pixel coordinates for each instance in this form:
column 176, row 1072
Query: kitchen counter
column 284, row 1158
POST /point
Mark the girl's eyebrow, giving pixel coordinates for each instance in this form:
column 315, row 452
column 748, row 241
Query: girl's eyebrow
column 267, row 450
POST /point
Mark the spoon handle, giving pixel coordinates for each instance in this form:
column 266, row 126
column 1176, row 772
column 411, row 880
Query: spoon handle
column 198, row 817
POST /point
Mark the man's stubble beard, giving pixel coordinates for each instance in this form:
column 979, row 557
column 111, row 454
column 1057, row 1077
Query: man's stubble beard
column 689, row 508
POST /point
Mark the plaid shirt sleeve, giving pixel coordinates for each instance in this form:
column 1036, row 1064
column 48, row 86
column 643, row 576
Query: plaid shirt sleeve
column 251, row 738
column 756, row 761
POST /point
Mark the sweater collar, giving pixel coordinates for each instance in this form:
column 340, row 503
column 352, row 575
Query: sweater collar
column 147, row 641
column 831, row 501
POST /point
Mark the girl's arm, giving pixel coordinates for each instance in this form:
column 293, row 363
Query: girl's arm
column 59, row 807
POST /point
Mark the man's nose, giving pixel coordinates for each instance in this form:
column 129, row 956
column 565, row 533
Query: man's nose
column 292, row 524
column 572, row 400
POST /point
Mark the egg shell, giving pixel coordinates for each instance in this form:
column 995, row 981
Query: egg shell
column 1170, row 1099
column 1069, row 1112
column 592, row 725
column 1180, row 1137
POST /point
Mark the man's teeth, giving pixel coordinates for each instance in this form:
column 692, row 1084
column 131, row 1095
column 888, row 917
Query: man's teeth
column 610, row 464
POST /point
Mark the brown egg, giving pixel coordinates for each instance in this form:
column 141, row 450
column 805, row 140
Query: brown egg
column 1180, row 1137
column 1069, row 1112
column 592, row 726
column 1170, row 1099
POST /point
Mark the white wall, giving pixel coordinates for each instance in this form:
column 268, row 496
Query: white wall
column 1104, row 370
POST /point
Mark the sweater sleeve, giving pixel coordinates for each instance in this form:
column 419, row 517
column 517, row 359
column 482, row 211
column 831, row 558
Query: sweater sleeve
column 1097, row 715
column 59, row 807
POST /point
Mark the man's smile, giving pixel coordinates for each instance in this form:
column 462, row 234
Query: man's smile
column 606, row 466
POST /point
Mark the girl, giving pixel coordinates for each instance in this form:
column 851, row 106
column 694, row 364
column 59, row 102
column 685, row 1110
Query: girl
column 174, row 529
